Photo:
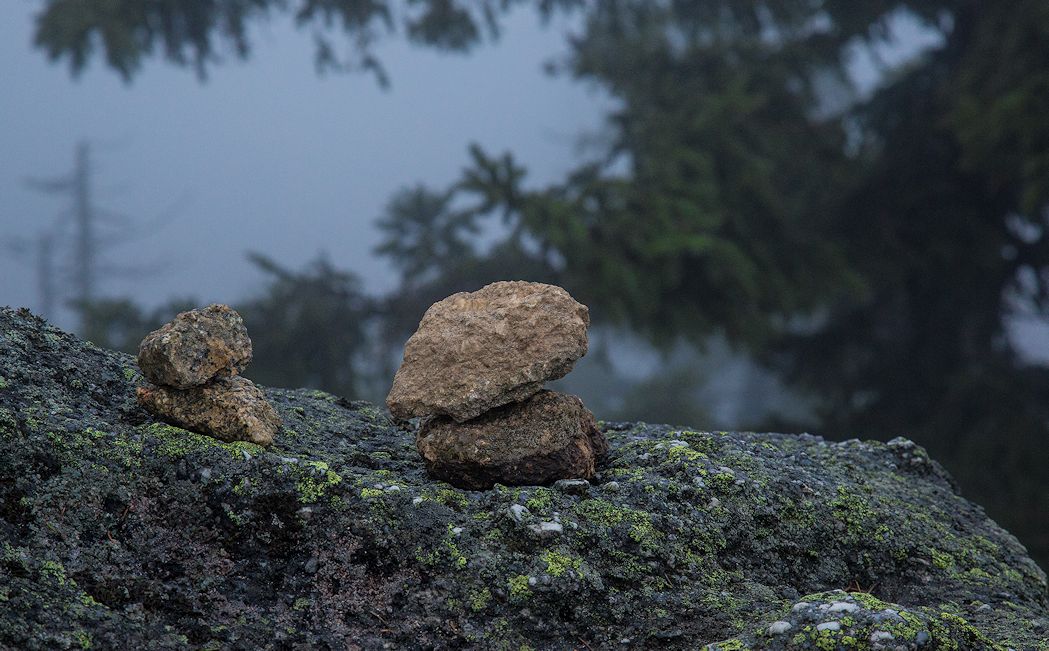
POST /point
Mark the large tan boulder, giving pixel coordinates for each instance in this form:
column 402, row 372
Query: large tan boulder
column 475, row 351
column 195, row 347
column 548, row 437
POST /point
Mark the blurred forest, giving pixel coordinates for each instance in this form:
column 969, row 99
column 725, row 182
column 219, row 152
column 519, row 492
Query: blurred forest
column 865, row 251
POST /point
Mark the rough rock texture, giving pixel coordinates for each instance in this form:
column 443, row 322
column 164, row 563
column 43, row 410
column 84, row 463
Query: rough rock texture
column 548, row 437
column 194, row 347
column 858, row 620
column 475, row 351
column 230, row 409
column 119, row 532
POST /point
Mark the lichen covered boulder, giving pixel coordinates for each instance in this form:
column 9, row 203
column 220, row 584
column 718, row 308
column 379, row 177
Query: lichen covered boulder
column 118, row 531
column 475, row 351
column 548, row 437
column 196, row 346
column 228, row 408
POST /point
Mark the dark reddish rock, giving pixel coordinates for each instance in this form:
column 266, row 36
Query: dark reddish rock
column 195, row 347
column 229, row 409
column 548, row 437
column 475, row 351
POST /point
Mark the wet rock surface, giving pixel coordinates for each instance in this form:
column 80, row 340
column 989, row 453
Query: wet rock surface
column 118, row 531
column 230, row 409
column 475, row 351
column 548, row 437
column 194, row 347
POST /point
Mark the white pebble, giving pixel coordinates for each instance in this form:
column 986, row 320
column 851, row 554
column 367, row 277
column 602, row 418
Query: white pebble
column 547, row 528
column 779, row 628
column 518, row 511
column 417, row 501
column 843, row 607
column 828, row 626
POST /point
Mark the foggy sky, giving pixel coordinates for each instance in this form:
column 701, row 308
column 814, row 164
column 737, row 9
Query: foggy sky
column 267, row 155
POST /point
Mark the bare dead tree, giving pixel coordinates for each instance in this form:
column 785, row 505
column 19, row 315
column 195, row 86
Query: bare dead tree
column 95, row 229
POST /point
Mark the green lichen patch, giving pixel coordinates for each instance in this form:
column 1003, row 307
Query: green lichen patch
column 519, row 588
column 172, row 441
column 602, row 514
column 444, row 552
column 559, row 563
column 313, row 480
column 540, row 499
column 480, row 599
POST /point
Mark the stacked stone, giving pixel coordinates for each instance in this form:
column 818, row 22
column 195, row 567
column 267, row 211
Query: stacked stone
column 194, row 363
column 475, row 369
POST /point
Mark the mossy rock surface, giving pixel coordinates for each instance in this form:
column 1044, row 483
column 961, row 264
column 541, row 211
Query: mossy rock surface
column 119, row 532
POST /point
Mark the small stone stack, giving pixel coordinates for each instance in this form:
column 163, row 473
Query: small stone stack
column 193, row 363
column 475, row 368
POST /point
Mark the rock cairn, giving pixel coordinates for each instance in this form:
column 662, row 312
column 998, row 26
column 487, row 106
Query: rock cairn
column 475, row 369
column 193, row 363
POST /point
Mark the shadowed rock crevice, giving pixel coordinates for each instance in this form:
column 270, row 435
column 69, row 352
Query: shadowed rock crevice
column 140, row 535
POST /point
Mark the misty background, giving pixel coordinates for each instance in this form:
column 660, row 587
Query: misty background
column 266, row 154
column 825, row 263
